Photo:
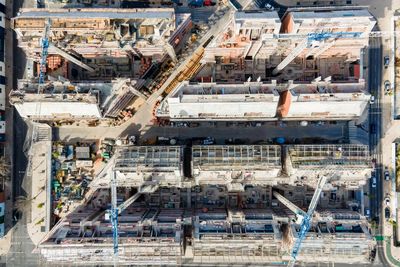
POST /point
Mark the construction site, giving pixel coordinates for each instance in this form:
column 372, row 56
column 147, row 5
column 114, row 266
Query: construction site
column 198, row 203
column 107, row 57
column 219, row 204
column 101, row 44
column 265, row 101
column 303, row 66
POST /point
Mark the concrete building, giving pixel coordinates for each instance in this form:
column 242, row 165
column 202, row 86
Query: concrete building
column 341, row 236
column 233, row 167
column 322, row 100
column 146, row 236
column 344, row 165
column 3, row 79
column 60, row 100
column 240, row 52
column 261, row 101
column 152, row 233
column 139, row 165
column 102, row 42
column 236, row 166
column 233, row 236
column 216, row 206
column 307, row 43
column 348, row 31
column 212, row 101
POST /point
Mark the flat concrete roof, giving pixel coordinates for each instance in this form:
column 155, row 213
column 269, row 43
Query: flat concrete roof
column 53, row 110
column 97, row 14
column 328, row 14
column 256, row 15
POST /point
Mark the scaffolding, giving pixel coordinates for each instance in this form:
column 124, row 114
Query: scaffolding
column 148, row 158
column 348, row 155
column 234, row 157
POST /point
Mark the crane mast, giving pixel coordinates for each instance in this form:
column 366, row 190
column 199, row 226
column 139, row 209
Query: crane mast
column 303, row 218
column 118, row 209
column 43, row 59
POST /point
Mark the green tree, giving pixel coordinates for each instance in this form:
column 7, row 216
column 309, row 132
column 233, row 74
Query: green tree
column 4, row 170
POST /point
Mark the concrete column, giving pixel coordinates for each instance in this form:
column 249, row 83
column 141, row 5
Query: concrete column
column 362, row 200
column 270, row 195
column 362, row 55
column 189, row 197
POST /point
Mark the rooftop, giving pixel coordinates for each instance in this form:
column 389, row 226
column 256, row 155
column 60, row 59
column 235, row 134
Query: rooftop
column 58, row 109
column 96, row 13
column 323, row 155
column 148, row 158
column 304, row 13
column 255, row 15
column 228, row 157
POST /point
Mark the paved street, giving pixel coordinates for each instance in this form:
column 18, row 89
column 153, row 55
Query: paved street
column 375, row 80
column 221, row 131
column 20, row 254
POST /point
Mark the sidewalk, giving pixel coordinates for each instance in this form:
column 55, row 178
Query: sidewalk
column 39, row 204
column 5, row 242
column 390, row 251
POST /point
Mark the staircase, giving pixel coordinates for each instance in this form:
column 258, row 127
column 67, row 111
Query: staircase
column 353, row 133
column 119, row 104
column 42, row 132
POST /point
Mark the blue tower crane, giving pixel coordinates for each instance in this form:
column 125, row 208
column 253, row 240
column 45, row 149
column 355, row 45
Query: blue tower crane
column 45, row 47
column 303, row 218
column 308, row 42
column 117, row 209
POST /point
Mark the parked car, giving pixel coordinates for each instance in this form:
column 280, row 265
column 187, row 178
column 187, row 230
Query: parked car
column 373, row 180
column 386, row 61
column 367, row 213
column 303, row 123
column 387, row 175
column 209, row 141
column 387, row 201
column 387, row 85
column 372, row 100
column 387, row 213
column 269, row 7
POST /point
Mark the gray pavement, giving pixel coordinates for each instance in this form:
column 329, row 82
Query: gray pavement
column 375, row 82
column 201, row 14
column 20, row 253
column 331, row 132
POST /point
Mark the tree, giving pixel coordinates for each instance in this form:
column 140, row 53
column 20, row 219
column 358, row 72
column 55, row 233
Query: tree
column 4, row 170
column 21, row 203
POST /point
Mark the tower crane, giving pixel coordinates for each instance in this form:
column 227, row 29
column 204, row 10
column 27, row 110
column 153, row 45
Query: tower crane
column 314, row 40
column 118, row 209
column 43, row 59
column 302, row 218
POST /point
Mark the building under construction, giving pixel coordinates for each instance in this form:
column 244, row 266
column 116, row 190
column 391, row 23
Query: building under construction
column 101, row 43
column 63, row 100
column 305, row 44
column 177, row 226
column 216, row 205
column 308, row 66
column 213, row 204
column 265, row 101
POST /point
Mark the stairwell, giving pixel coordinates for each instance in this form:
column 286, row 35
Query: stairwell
column 42, row 132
